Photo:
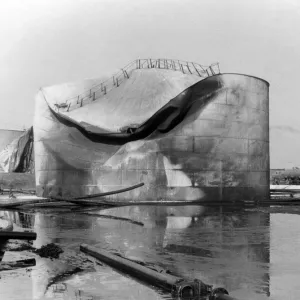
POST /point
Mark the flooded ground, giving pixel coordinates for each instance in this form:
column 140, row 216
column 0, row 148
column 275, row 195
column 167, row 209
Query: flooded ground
column 253, row 253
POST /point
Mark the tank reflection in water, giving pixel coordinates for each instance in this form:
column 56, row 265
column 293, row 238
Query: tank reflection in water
column 250, row 252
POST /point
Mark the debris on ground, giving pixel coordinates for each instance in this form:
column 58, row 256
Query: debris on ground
column 49, row 251
column 16, row 245
column 12, row 265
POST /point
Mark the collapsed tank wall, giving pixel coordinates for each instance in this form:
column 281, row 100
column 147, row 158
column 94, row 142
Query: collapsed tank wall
column 219, row 151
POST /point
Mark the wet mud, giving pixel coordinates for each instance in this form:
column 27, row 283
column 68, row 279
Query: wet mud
column 50, row 250
column 250, row 252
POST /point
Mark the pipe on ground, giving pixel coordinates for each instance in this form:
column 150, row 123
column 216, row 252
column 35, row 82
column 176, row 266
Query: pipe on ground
column 17, row 235
column 178, row 286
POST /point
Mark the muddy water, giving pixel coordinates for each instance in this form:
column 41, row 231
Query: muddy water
column 252, row 253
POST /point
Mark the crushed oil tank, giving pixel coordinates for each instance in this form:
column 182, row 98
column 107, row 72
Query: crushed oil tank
column 186, row 136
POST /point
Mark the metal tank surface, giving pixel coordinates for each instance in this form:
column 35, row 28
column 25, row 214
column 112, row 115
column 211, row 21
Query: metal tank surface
column 189, row 135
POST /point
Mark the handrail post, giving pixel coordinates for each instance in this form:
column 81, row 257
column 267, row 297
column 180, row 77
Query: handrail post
column 196, row 70
column 125, row 73
column 94, row 96
column 187, row 64
column 181, row 67
column 81, row 102
column 202, row 68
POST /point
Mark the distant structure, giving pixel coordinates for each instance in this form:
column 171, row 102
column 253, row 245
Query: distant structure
column 17, row 155
column 7, row 136
column 285, row 176
column 187, row 131
column 16, row 159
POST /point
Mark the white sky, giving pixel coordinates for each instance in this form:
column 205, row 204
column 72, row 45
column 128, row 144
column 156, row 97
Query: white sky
column 44, row 42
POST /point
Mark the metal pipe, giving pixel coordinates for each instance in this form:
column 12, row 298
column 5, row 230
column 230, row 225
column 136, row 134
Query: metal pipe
column 14, row 203
column 123, row 264
column 74, row 200
column 176, row 285
column 16, row 235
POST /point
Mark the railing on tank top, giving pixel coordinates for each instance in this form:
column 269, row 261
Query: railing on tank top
column 98, row 90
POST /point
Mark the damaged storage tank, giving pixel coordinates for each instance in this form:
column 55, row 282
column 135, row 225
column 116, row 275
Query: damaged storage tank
column 188, row 132
column 17, row 156
column 17, row 161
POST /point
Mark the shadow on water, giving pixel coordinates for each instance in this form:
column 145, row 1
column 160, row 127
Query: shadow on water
column 249, row 252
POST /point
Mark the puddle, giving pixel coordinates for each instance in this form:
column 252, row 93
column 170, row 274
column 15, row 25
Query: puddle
column 252, row 253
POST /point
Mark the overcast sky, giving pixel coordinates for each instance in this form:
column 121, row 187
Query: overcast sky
column 45, row 42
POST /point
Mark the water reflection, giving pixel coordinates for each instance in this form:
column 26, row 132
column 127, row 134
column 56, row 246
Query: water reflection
column 19, row 219
column 224, row 247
